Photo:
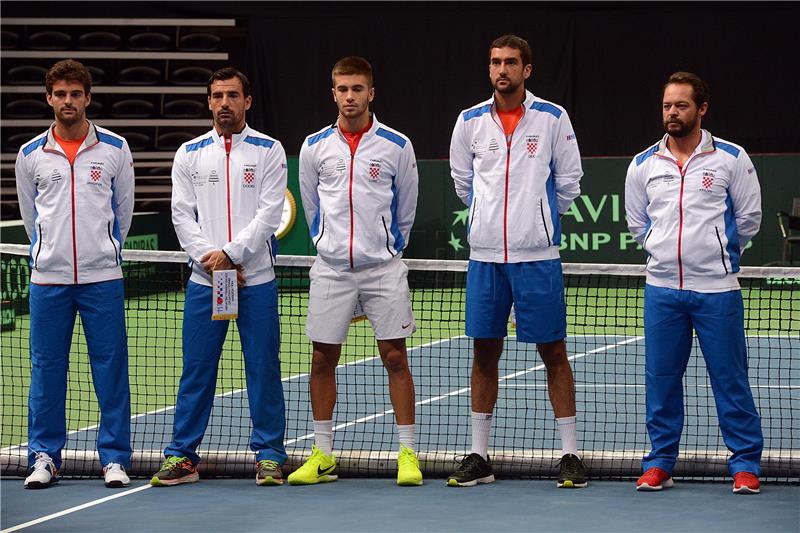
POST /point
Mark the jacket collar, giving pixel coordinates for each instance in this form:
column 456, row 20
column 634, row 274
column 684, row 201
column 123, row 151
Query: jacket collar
column 526, row 103
column 706, row 145
column 90, row 140
column 236, row 138
column 371, row 131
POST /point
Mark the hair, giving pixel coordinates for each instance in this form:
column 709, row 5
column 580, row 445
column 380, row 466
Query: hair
column 352, row 65
column 228, row 73
column 518, row 43
column 68, row 70
column 700, row 92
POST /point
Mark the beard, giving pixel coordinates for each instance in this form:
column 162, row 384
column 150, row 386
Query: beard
column 227, row 121
column 508, row 89
column 683, row 128
column 76, row 117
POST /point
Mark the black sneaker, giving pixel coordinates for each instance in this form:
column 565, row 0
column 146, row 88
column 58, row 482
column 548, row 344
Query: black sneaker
column 572, row 474
column 174, row 471
column 473, row 469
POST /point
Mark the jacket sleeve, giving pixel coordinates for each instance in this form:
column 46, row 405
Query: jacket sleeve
column 309, row 180
column 745, row 195
column 566, row 164
column 122, row 189
column 184, row 211
column 461, row 161
column 636, row 203
column 26, row 192
column 253, row 238
column 407, row 184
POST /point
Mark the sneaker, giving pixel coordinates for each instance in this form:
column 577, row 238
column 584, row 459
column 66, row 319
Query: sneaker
column 319, row 468
column 115, row 476
column 746, row 483
column 174, row 471
column 44, row 472
column 268, row 473
column 654, row 479
column 572, row 473
column 473, row 469
column 408, row 472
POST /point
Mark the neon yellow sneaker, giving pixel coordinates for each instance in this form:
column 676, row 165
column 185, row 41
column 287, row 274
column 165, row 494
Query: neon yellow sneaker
column 408, row 472
column 319, row 468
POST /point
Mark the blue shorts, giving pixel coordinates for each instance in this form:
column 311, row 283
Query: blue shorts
column 536, row 289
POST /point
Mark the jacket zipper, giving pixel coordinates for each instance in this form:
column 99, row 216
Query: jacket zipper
column 352, row 162
column 39, row 249
column 110, row 238
column 544, row 223
column 228, row 143
column 505, row 204
column 74, row 241
column 386, row 230
column 721, row 251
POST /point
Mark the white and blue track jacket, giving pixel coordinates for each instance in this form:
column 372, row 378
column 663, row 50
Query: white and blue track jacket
column 360, row 207
column 695, row 221
column 229, row 200
column 515, row 193
column 76, row 215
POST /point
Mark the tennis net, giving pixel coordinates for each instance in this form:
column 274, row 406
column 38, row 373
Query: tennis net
column 605, row 344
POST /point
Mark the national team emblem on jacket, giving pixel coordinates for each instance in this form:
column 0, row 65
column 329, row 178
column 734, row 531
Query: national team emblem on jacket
column 708, row 180
column 249, row 177
column 374, row 169
column 95, row 174
column 532, row 145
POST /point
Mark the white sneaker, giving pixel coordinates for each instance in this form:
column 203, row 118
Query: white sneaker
column 115, row 476
column 44, row 472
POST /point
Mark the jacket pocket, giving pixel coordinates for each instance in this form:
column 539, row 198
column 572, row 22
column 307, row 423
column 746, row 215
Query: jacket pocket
column 544, row 223
column 113, row 243
column 386, row 232
column 721, row 250
column 38, row 246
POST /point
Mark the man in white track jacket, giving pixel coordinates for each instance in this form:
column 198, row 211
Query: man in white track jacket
column 228, row 187
column 515, row 163
column 75, row 188
column 693, row 202
column 358, row 180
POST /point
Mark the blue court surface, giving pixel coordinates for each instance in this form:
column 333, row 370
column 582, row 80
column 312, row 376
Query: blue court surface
column 610, row 397
column 379, row 505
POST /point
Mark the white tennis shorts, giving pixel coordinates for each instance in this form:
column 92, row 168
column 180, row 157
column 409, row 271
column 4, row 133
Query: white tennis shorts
column 380, row 291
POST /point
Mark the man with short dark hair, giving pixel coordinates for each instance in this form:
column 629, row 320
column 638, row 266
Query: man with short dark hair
column 358, row 180
column 693, row 202
column 227, row 196
column 516, row 164
column 75, row 189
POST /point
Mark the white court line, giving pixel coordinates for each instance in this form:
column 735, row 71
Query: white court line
column 75, row 509
column 623, row 386
column 433, row 399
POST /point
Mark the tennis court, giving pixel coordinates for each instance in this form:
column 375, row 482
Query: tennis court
column 606, row 347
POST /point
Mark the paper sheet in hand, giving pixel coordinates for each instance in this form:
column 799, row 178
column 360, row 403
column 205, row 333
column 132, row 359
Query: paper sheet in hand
column 225, row 304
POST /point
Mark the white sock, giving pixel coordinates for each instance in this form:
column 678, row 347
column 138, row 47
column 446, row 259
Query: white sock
column 323, row 435
column 481, row 427
column 407, row 435
column 569, row 440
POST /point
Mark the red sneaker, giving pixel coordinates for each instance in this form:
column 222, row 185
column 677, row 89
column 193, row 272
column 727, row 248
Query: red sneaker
column 746, row 483
column 654, row 479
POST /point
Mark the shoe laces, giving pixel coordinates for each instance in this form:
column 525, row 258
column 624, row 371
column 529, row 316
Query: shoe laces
column 172, row 462
column 570, row 462
column 407, row 456
column 268, row 464
column 466, row 462
column 44, row 461
column 113, row 467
